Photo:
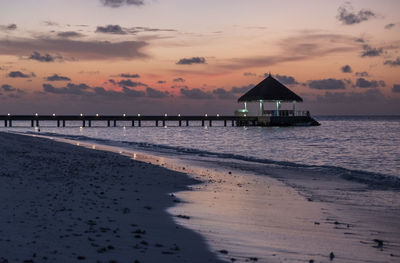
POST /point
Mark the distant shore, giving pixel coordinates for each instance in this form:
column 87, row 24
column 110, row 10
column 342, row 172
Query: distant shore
column 62, row 203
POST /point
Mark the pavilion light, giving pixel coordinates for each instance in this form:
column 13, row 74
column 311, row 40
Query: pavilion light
column 179, row 115
column 124, row 114
column 217, row 115
column 81, row 114
column 205, row 115
column 36, row 114
column 97, row 115
column 138, row 115
column 165, row 115
column 8, row 114
column 54, row 114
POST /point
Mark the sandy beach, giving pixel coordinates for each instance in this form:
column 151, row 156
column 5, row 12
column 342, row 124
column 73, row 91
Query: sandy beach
column 62, row 203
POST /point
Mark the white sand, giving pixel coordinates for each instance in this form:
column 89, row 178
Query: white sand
column 62, row 203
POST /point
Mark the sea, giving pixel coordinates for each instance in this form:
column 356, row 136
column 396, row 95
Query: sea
column 344, row 152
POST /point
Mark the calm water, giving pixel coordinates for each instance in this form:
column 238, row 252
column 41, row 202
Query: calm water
column 369, row 144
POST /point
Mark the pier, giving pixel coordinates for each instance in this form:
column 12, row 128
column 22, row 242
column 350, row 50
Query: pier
column 290, row 118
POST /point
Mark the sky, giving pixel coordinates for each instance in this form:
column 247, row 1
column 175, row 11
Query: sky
column 196, row 57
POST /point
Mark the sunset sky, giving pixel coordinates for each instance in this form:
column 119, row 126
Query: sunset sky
column 196, row 57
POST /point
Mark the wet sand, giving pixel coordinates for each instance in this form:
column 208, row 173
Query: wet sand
column 62, row 203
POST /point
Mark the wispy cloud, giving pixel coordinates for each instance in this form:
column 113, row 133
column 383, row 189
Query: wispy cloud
column 363, row 83
column 110, row 29
column 19, row 74
column 56, row 77
column 43, row 58
column 190, row 61
column 346, row 69
column 120, row 3
column 348, row 17
column 9, row 27
column 327, row 84
column 369, row 51
column 393, row 63
column 86, row 50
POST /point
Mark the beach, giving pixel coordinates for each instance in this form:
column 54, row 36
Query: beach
column 63, row 203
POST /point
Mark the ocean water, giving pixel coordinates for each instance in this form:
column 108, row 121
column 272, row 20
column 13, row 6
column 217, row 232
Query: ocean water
column 250, row 214
column 369, row 146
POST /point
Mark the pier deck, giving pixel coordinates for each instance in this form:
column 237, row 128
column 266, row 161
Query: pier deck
column 159, row 120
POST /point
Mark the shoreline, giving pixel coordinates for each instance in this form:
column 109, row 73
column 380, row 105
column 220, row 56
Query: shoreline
column 62, row 203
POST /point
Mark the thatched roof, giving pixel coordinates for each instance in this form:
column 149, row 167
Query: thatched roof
column 270, row 90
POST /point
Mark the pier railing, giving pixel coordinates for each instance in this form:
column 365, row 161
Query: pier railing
column 285, row 113
column 135, row 120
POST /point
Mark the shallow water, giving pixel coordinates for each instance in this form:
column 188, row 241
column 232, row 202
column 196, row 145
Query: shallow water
column 367, row 144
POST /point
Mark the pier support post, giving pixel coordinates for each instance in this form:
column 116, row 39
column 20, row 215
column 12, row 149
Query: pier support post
column 108, row 123
column 156, row 123
column 163, row 123
column 210, row 123
column 37, row 123
column 187, row 123
column 63, row 123
column 133, row 123
column 83, row 123
column 10, row 123
column 180, row 123
column 224, row 123
column 32, row 123
column 202, row 123
column 115, row 123
column 233, row 123
column 140, row 123
column 58, row 123
column 5, row 123
column 90, row 123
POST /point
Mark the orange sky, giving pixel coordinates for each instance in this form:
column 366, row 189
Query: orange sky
column 211, row 45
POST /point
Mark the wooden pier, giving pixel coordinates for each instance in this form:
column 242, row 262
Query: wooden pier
column 136, row 120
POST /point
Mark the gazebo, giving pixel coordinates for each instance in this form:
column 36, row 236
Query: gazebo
column 270, row 90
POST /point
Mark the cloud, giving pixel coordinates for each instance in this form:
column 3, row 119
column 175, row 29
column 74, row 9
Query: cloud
column 393, row 63
column 8, row 27
column 153, row 93
column 190, row 61
column 300, row 47
column 369, row 51
column 370, row 95
column 42, row 58
column 223, row 94
column 363, row 83
column 346, row 69
column 130, row 83
column 74, row 89
column 133, row 93
column 88, row 50
column 69, row 34
column 327, row 84
column 119, row 3
column 348, row 17
column 110, row 29
column 249, row 74
column 8, row 88
column 362, row 74
column 390, row 26
column 195, row 94
column 19, row 74
column 396, row 88
column 161, row 82
column 287, row 80
column 179, row 80
column 56, row 77
column 127, row 75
